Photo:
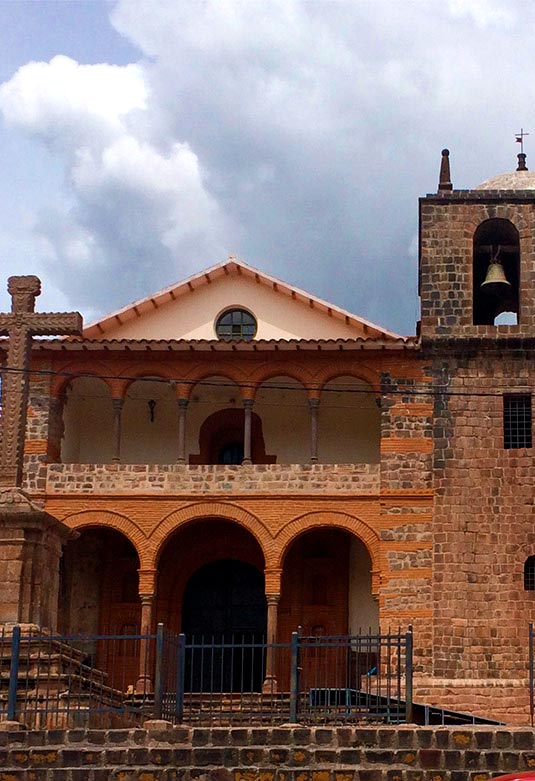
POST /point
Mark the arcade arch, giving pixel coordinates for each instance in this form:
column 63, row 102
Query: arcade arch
column 349, row 428
column 282, row 404
column 149, row 423
column 87, row 422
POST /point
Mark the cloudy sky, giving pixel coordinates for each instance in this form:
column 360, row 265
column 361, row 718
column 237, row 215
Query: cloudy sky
column 144, row 140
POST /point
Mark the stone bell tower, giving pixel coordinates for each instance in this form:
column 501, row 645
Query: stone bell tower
column 462, row 234
column 477, row 288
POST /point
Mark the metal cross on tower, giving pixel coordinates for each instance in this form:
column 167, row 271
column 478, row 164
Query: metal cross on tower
column 20, row 326
column 520, row 139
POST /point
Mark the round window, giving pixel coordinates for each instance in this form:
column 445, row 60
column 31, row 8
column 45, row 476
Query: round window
column 236, row 324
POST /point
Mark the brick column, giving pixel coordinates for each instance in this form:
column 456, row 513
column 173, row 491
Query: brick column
column 182, row 410
column 248, row 408
column 144, row 683
column 30, row 550
column 117, row 408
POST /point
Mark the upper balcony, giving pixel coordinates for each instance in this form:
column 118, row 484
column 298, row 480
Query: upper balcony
column 215, row 437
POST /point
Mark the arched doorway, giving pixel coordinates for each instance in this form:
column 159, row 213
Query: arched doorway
column 99, row 596
column 224, row 604
column 326, row 589
column 211, row 587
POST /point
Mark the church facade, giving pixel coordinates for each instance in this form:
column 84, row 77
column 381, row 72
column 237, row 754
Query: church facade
column 232, row 454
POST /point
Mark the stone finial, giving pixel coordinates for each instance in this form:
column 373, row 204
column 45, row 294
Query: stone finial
column 522, row 162
column 23, row 292
column 444, row 181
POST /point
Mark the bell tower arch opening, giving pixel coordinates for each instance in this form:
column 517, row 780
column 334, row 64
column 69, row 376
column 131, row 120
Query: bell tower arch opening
column 496, row 273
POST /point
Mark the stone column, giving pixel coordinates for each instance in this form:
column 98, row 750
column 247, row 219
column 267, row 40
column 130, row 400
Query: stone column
column 248, row 409
column 117, row 408
column 314, row 404
column 270, row 681
column 30, row 550
column 182, row 410
column 144, row 683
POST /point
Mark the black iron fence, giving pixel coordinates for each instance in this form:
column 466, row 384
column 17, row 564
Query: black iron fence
column 117, row 680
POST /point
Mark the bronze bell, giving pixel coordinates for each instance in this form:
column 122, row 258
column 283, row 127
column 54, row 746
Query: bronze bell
column 495, row 280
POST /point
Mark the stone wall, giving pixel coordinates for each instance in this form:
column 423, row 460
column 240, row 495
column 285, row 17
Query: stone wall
column 483, row 522
column 186, row 479
column 448, row 222
column 267, row 754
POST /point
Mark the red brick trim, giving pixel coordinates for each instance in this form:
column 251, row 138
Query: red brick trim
column 202, row 510
column 111, row 520
column 355, row 526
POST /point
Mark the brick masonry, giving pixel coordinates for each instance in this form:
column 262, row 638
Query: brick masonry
column 267, row 754
column 447, row 514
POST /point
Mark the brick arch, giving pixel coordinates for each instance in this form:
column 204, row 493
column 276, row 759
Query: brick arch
column 140, row 370
column 280, row 368
column 217, row 510
column 115, row 521
column 94, row 369
column 205, row 373
column 316, row 520
column 358, row 372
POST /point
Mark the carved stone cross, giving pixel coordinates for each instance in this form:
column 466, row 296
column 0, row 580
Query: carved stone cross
column 21, row 325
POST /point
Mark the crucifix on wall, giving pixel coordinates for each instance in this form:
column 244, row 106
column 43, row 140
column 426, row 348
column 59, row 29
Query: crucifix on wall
column 20, row 325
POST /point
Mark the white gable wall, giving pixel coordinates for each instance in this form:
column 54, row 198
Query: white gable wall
column 193, row 315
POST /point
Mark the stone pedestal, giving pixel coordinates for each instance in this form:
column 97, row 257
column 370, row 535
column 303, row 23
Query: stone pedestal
column 30, row 550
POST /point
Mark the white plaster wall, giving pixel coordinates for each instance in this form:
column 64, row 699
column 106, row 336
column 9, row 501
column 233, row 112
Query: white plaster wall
column 349, row 430
column 88, row 423
column 144, row 441
column 363, row 609
column 213, row 394
column 285, row 420
column 193, row 315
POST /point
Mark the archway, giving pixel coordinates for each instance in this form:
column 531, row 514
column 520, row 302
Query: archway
column 349, row 423
column 224, row 603
column 282, row 403
column 211, row 587
column 496, row 256
column 87, row 435
column 149, row 422
column 99, row 596
column 326, row 589
column 215, row 422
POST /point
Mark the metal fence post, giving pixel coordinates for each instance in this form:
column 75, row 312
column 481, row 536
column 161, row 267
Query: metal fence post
column 531, row 674
column 408, row 676
column 13, row 675
column 158, row 673
column 180, row 677
column 294, row 677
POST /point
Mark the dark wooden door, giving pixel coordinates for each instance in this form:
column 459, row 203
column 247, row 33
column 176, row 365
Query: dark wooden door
column 225, row 605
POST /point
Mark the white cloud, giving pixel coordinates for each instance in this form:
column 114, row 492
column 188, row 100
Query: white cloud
column 298, row 134
column 136, row 211
column 484, row 13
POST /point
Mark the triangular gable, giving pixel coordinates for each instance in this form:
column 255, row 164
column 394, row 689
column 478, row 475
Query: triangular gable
column 188, row 310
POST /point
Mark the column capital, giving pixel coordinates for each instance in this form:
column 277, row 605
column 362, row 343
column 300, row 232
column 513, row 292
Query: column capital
column 117, row 403
column 248, row 403
column 182, row 403
column 273, row 599
column 146, row 599
column 313, row 402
